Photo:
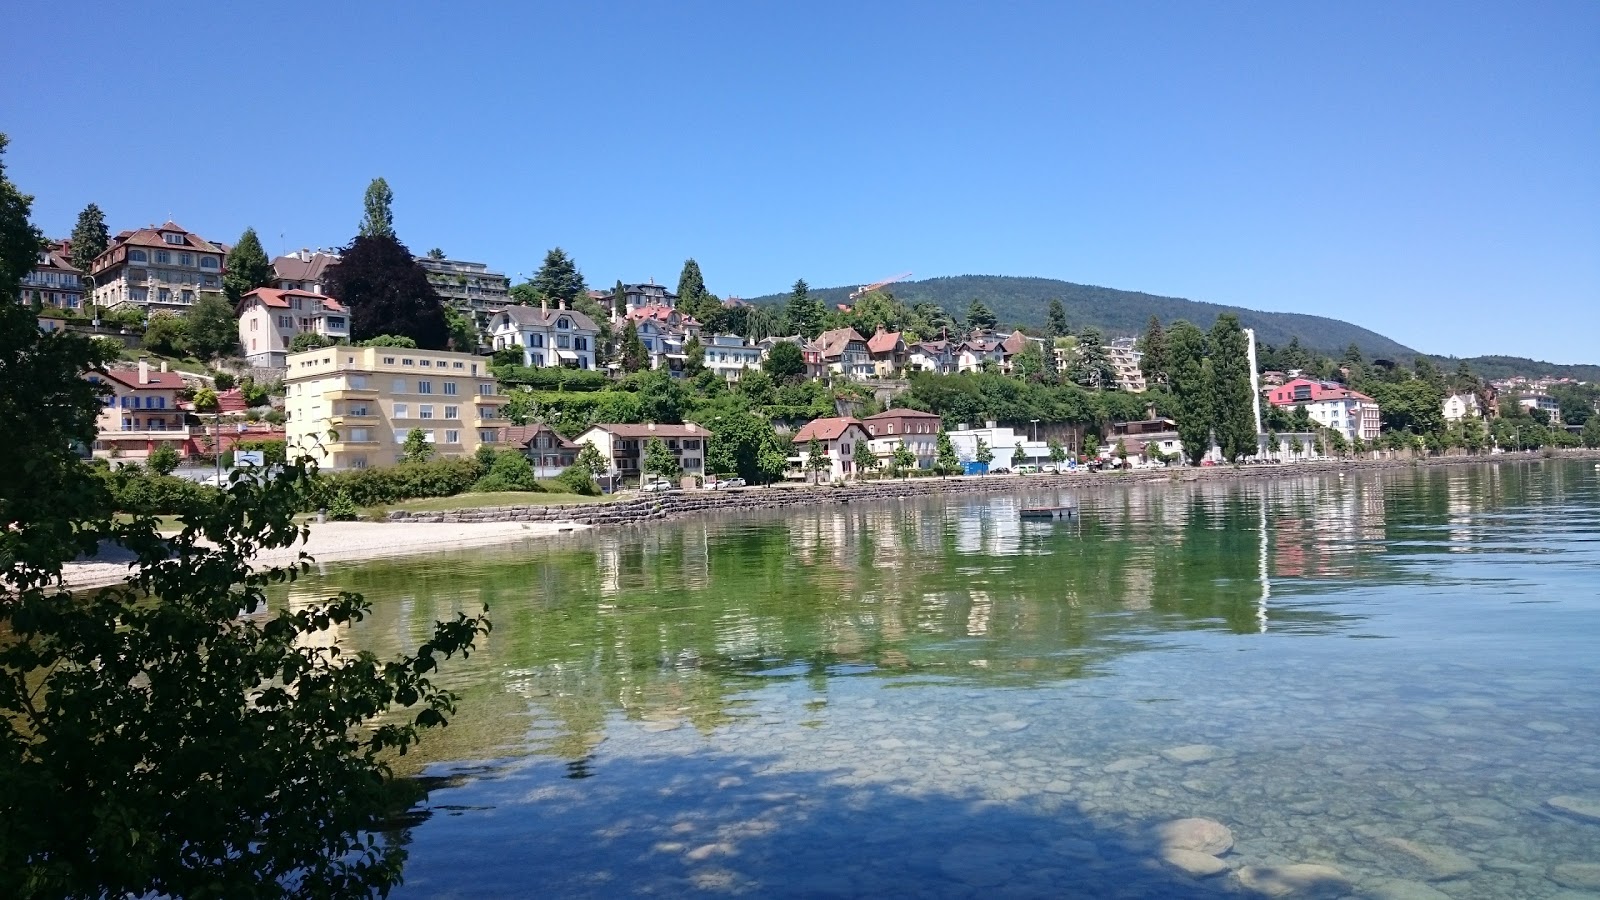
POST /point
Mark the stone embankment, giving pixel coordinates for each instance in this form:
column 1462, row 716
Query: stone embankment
column 644, row 508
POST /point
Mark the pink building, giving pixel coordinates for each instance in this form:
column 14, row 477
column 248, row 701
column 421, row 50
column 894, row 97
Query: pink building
column 1331, row 405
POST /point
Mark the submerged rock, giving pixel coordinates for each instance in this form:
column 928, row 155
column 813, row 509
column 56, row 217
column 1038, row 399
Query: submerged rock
column 1585, row 876
column 1298, row 880
column 1194, row 863
column 1441, row 862
column 1582, row 807
column 1206, row 836
column 1397, row 889
column 1191, row 753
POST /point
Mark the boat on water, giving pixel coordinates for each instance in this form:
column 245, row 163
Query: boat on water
column 1049, row 512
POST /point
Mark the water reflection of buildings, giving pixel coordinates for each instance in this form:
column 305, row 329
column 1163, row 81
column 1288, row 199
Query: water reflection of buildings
column 1321, row 526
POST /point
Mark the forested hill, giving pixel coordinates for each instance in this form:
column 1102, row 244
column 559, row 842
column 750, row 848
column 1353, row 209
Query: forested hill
column 1024, row 301
column 1493, row 367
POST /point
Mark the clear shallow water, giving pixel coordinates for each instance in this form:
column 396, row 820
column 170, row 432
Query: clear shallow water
column 933, row 698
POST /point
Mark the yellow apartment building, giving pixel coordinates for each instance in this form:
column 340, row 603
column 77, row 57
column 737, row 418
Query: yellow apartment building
column 352, row 407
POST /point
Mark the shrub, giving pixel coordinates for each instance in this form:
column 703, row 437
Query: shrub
column 163, row 459
column 140, row 492
column 223, row 380
column 375, row 487
column 510, row 472
column 341, row 508
column 576, row 479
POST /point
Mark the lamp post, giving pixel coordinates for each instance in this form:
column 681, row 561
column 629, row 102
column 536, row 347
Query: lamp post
column 1035, row 423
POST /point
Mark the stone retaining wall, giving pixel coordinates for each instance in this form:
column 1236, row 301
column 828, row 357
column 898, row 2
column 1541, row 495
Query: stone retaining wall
column 677, row 505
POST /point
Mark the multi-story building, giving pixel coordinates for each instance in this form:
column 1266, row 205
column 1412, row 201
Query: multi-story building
column 843, row 351
column 664, row 332
column 547, row 337
column 162, row 267
column 933, row 356
column 303, row 270
column 981, row 348
column 837, row 436
column 468, row 286
column 639, row 296
column 141, row 412
column 624, row 445
column 1462, row 406
column 1544, row 402
column 1008, row 448
column 54, row 283
column 918, row 430
column 353, row 407
column 888, row 352
column 549, row 452
column 1125, row 359
column 729, row 355
column 270, row 319
column 1351, row 413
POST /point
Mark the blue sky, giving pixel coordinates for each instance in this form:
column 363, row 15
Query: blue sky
column 1428, row 170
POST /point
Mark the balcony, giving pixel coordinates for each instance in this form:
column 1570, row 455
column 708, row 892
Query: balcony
column 490, row 399
column 357, row 420
column 350, row 393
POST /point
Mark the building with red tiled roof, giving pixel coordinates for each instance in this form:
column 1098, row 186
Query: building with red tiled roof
column 838, row 437
column 141, row 411
column 54, row 282
column 918, row 430
column 544, row 446
column 302, row 270
column 270, row 319
column 888, row 352
column 162, row 267
column 843, row 351
column 1334, row 406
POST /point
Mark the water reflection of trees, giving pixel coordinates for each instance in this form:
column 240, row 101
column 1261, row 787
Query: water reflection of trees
column 669, row 624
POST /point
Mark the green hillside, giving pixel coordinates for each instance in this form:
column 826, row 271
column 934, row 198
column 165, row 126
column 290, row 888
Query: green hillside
column 1493, row 367
column 1023, row 302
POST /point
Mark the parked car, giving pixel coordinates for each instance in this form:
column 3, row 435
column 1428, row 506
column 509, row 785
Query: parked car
column 1051, row 469
column 658, row 487
column 1026, row 469
column 725, row 483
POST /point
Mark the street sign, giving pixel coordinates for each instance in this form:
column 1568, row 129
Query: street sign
column 249, row 458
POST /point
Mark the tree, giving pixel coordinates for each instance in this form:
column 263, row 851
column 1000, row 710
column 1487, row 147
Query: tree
column 167, row 334
column 817, row 460
column 1091, row 445
column 154, row 740
column 1122, row 451
column 1231, row 398
column 1153, row 350
column 1187, row 376
column 309, row 340
column 1058, row 453
column 979, row 316
column 903, row 460
column 212, row 329
column 694, row 354
column 865, row 460
column 389, row 340
column 1091, row 366
column 785, row 363
column 619, row 299
column 1056, row 320
column 1028, row 363
column 983, row 454
column 163, row 459
column 558, row 279
column 662, row 398
column 436, row 253
column 417, row 448
column 510, row 471
column 463, row 331
column 658, row 460
column 89, row 238
column 1591, row 433
column 246, row 268
column 591, row 459
column 387, row 293
column 205, row 400
column 634, row 357
column 803, row 313
column 692, row 293
column 378, row 220
column 945, row 459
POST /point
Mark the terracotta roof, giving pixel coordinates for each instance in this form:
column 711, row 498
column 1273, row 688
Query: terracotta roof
column 661, row 312
column 933, row 346
column 232, row 401
column 902, row 414
column 827, row 429
column 522, row 435
column 1015, row 342
column 687, row 429
column 1320, row 391
column 58, row 257
column 545, row 318
column 159, row 381
column 280, row 299
column 293, row 268
column 833, row 343
column 151, row 237
column 883, row 342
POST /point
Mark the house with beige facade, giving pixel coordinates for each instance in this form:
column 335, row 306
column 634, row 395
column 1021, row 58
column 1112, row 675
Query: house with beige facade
column 159, row 268
column 141, row 411
column 270, row 319
column 838, row 437
column 918, row 430
column 54, row 283
column 623, row 446
column 352, row 407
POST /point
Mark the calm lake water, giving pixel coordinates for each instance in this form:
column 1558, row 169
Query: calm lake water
column 1388, row 673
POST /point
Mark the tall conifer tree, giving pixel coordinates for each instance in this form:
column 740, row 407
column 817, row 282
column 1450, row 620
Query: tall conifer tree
column 1232, row 409
column 89, row 238
column 1186, row 373
column 247, row 267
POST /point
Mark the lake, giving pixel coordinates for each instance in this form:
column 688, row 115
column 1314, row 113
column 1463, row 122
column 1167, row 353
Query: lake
column 1390, row 674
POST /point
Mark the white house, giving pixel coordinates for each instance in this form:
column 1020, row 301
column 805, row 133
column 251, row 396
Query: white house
column 624, row 445
column 270, row 319
column 932, row 356
column 1009, row 448
column 1461, row 406
column 547, row 337
column 1352, row 413
column 838, row 437
column 729, row 355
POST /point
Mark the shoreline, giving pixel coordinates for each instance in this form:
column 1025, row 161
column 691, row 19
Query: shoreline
column 353, row 541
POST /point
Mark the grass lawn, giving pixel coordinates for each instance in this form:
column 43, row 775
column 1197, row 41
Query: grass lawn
column 476, row 501
column 186, row 364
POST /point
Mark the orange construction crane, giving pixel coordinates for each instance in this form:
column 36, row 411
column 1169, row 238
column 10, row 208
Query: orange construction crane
column 869, row 288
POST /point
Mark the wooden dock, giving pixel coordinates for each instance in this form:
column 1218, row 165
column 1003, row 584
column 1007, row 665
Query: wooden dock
column 1049, row 512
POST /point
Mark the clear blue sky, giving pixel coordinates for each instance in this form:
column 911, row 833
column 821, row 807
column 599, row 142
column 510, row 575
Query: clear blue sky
column 1428, row 170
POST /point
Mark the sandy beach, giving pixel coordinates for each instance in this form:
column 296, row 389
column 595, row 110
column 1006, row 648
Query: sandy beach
column 335, row 541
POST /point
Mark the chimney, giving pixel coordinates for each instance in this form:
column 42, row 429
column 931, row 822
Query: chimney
column 544, row 305
column 163, row 365
column 144, row 372
column 563, row 303
column 650, row 426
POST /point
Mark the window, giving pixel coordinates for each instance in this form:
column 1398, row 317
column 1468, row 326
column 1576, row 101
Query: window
column 538, row 359
column 388, row 360
column 580, row 343
column 335, row 322
column 163, row 256
column 137, row 256
column 425, row 411
column 208, row 262
column 563, row 341
column 360, row 435
column 535, row 340
column 285, row 322
column 188, row 296
column 485, row 390
column 357, row 382
column 890, row 429
column 171, row 238
column 452, row 437
column 399, row 385
column 450, row 387
column 408, row 362
column 358, row 462
column 486, row 435
column 452, row 412
column 425, row 363
column 424, row 387
column 164, row 295
column 458, row 365
column 185, row 259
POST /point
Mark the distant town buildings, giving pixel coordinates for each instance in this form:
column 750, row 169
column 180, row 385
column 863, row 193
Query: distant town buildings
column 353, row 407
column 53, row 282
column 1461, row 406
column 1125, row 360
column 162, row 267
column 1349, row 412
column 918, row 430
column 141, row 412
column 837, row 437
column 624, row 445
column 843, row 351
column 729, row 356
column 468, row 286
column 544, row 447
column 1540, row 401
